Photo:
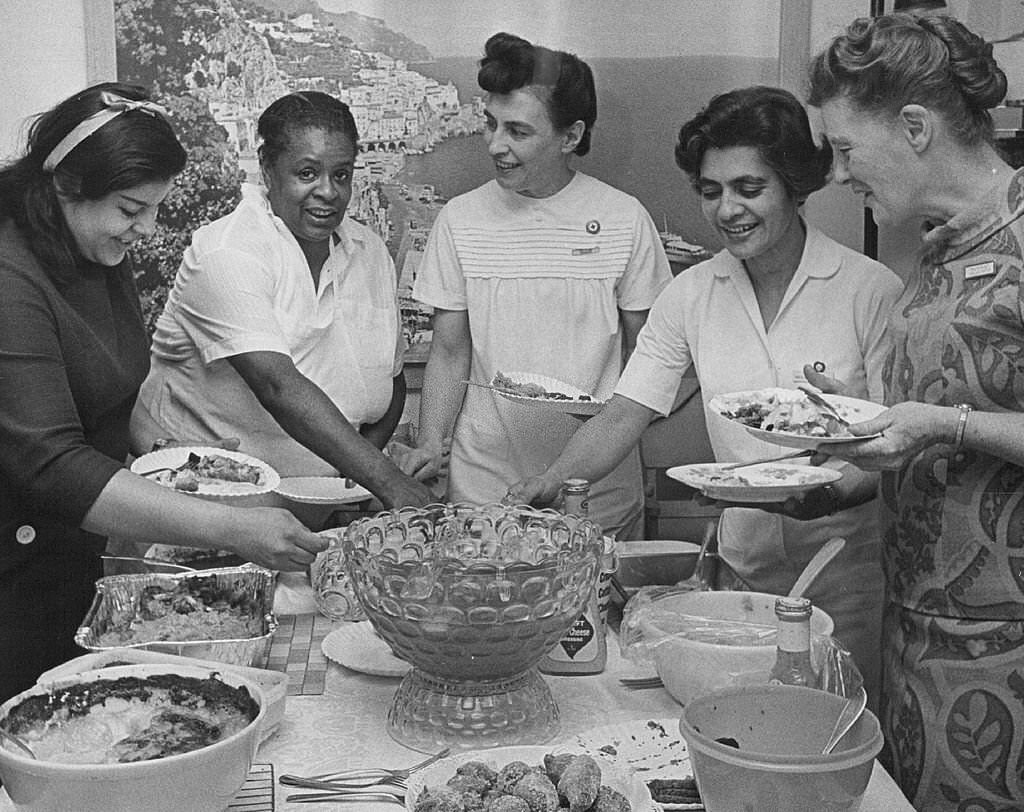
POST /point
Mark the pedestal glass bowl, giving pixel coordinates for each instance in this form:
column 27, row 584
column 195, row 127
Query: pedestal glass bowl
column 472, row 597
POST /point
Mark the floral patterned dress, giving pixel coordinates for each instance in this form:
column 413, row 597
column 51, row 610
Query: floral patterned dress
column 953, row 636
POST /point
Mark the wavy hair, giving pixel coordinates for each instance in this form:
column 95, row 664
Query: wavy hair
column 771, row 120
column 131, row 149
column 305, row 110
column 511, row 63
column 879, row 65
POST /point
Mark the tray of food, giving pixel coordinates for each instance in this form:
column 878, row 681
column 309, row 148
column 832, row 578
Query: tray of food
column 194, row 557
column 536, row 774
column 205, row 471
column 225, row 614
column 788, row 417
column 655, row 752
column 541, row 391
column 766, row 482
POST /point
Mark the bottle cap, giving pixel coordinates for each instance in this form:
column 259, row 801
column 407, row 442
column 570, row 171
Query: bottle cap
column 792, row 607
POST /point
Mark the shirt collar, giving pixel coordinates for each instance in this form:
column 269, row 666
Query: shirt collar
column 817, row 261
column 1000, row 205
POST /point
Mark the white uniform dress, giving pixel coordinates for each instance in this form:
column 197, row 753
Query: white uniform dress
column 244, row 285
column 834, row 311
column 543, row 281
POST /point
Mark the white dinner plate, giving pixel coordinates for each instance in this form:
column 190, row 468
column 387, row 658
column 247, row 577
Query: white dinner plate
column 613, row 773
column 767, row 482
column 578, row 401
column 322, row 490
column 853, row 410
column 357, row 646
column 177, row 456
column 651, row 748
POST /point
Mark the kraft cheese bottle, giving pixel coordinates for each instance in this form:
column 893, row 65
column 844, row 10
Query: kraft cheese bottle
column 583, row 649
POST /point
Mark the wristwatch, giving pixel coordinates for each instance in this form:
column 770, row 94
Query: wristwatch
column 961, row 425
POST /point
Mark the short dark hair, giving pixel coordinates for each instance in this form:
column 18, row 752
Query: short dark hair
column 771, row 120
column 511, row 63
column 134, row 148
column 879, row 65
column 305, row 110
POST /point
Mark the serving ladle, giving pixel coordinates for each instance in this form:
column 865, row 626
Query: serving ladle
column 17, row 742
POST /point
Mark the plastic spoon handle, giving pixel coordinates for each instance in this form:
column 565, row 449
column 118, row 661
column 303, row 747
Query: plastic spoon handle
column 829, row 550
column 848, row 716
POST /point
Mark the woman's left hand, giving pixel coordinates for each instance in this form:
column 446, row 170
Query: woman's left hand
column 905, row 429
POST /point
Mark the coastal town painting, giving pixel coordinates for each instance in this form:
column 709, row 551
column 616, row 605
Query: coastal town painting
column 407, row 69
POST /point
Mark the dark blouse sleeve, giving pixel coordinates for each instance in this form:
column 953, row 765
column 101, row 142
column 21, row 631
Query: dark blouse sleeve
column 46, row 457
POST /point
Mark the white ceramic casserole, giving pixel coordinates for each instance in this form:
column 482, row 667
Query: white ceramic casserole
column 204, row 780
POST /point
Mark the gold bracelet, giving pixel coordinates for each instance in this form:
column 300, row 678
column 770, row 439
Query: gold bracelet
column 961, row 425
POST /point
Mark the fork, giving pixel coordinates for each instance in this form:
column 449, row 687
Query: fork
column 372, row 774
column 821, row 403
column 345, row 797
column 392, row 785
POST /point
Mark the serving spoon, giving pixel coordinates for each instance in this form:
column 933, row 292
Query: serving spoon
column 17, row 742
column 829, row 550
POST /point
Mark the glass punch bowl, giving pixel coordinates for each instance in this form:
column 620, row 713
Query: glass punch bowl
column 472, row 597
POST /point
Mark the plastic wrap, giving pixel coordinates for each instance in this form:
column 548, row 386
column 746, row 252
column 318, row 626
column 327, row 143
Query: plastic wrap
column 837, row 672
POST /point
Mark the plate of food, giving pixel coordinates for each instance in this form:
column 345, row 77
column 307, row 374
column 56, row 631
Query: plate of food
column 194, row 557
column 764, row 482
column 531, row 389
column 537, row 774
column 207, row 471
column 655, row 752
column 322, row 490
column 788, row 417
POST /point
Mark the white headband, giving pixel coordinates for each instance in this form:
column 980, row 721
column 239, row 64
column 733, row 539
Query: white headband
column 114, row 106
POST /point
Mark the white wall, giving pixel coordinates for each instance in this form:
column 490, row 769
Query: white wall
column 51, row 49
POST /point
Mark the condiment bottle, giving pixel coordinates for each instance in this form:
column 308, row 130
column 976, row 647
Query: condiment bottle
column 583, row 649
column 793, row 657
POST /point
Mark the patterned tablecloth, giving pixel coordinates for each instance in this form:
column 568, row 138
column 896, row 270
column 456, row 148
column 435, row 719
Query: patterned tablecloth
column 344, row 727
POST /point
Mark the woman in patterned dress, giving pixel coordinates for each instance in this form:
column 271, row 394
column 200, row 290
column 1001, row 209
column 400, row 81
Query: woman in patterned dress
column 905, row 102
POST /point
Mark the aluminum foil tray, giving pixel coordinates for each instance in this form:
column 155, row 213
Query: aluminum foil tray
column 118, row 598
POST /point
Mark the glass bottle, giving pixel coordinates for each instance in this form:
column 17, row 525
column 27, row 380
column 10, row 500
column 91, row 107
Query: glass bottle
column 793, row 656
column 583, row 649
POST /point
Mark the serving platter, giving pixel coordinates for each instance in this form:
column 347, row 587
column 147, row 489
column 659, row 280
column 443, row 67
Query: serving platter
column 765, row 482
column 159, row 466
column 741, row 407
column 614, row 774
column 576, row 401
column 650, row 748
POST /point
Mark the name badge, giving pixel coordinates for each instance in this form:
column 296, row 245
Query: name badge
column 981, row 269
column 576, row 252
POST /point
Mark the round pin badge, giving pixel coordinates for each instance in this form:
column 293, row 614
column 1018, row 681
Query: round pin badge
column 593, row 227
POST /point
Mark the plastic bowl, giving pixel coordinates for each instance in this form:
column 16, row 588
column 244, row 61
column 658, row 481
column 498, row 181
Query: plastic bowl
column 778, row 766
column 690, row 668
column 203, row 780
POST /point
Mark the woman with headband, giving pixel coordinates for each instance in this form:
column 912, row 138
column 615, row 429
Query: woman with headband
column 73, row 352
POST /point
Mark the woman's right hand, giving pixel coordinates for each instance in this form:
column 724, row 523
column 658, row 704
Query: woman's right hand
column 274, row 538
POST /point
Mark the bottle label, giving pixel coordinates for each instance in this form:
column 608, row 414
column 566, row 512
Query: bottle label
column 579, row 636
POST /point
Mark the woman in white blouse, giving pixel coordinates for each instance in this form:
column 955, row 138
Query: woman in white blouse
column 780, row 296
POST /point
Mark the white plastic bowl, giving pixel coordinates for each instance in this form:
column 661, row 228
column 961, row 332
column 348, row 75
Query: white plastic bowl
column 691, row 668
column 203, row 780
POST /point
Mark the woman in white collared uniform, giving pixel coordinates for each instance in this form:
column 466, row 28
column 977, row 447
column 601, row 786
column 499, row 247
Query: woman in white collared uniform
column 282, row 328
column 780, row 296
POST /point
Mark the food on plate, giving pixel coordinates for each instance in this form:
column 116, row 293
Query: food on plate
column 563, row 782
column 209, row 468
column 782, row 410
column 194, row 609
column 530, row 390
column 757, row 476
column 194, row 557
column 674, row 790
column 129, row 718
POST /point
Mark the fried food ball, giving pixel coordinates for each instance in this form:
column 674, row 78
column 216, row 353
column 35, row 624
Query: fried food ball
column 554, row 765
column 609, row 800
column 509, row 776
column 537, row 790
column 580, row 783
column 469, row 784
column 478, row 770
column 506, row 803
column 441, row 799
